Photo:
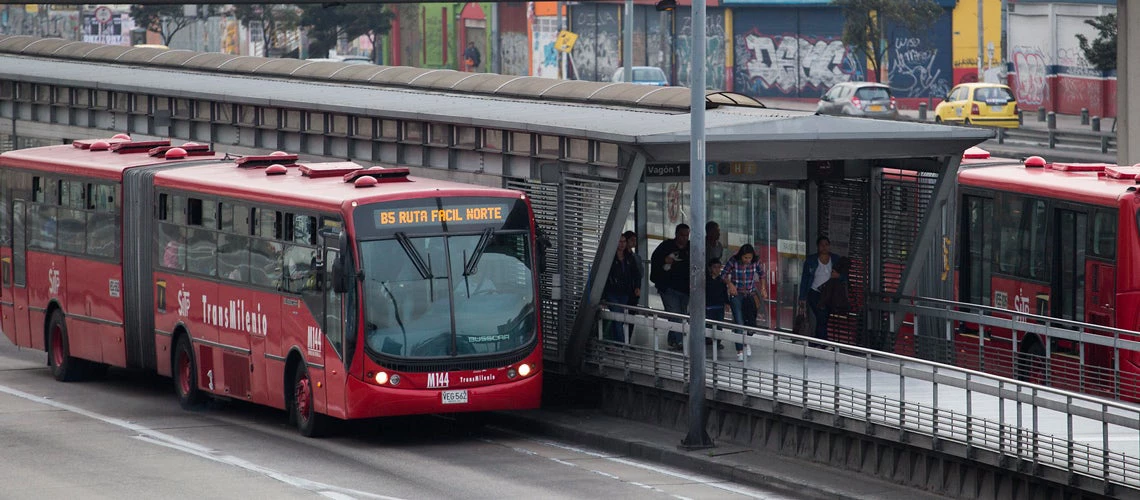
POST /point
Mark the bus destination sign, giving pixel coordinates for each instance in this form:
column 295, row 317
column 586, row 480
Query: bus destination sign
column 474, row 214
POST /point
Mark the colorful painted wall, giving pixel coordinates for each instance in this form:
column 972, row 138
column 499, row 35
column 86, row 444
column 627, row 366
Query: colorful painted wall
column 717, row 33
column 597, row 54
column 919, row 65
column 790, row 52
column 965, row 43
column 1046, row 66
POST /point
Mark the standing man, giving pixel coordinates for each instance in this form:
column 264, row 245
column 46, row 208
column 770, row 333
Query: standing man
column 471, row 57
column 713, row 247
column 818, row 268
column 669, row 271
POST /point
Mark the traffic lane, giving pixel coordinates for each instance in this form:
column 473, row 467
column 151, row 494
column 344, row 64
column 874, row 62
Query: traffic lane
column 409, row 457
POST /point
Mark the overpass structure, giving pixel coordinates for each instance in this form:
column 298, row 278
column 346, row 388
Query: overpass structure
column 590, row 155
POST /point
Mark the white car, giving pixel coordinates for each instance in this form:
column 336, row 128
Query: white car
column 343, row 59
column 643, row 75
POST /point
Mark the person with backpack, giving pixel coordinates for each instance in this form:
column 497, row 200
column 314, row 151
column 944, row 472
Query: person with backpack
column 471, row 57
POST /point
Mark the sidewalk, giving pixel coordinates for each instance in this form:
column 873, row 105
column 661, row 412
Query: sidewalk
column 729, row 461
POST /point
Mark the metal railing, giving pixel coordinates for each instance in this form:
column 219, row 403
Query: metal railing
column 1104, row 142
column 1072, row 438
column 1081, row 357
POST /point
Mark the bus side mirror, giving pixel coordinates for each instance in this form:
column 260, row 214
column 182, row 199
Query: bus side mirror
column 340, row 280
column 543, row 243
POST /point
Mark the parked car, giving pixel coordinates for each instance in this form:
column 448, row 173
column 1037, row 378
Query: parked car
column 989, row 104
column 643, row 75
column 868, row 99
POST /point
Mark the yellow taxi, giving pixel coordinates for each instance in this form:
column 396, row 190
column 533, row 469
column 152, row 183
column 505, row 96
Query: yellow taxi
column 988, row 104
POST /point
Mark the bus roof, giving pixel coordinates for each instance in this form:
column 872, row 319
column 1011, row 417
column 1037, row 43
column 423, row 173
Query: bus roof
column 1092, row 183
column 294, row 188
column 80, row 159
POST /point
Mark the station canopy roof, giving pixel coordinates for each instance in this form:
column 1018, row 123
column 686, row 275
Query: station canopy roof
column 655, row 119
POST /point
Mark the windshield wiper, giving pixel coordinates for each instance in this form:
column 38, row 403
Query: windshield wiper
column 414, row 255
column 477, row 253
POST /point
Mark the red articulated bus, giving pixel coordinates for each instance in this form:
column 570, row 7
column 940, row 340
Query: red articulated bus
column 328, row 290
column 1060, row 240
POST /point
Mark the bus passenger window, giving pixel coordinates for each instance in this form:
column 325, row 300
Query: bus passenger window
column 299, row 272
column 171, row 247
column 1104, row 234
column 233, row 257
column 265, row 263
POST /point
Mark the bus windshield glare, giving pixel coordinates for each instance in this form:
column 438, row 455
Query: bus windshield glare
column 465, row 291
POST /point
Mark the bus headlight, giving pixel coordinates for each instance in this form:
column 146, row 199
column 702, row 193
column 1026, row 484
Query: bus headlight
column 524, row 369
column 381, row 378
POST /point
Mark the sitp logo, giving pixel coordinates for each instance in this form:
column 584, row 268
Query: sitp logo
column 315, row 342
column 53, row 280
column 183, row 302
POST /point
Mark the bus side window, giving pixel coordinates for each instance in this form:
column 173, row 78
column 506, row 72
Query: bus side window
column 171, row 247
column 233, row 257
column 1104, row 234
column 265, row 263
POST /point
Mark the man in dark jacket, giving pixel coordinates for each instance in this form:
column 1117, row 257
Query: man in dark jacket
column 669, row 271
column 622, row 284
column 818, row 269
column 471, row 57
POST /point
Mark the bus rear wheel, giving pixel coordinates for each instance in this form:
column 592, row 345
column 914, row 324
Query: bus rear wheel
column 310, row 423
column 63, row 367
column 186, row 375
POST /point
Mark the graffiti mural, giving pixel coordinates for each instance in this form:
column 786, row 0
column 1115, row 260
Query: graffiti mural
column 596, row 55
column 1030, row 65
column 790, row 65
column 514, row 53
column 657, row 48
column 545, row 58
column 43, row 21
column 715, row 50
column 914, row 69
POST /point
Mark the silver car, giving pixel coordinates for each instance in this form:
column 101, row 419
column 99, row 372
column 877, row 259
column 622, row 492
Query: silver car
column 868, row 99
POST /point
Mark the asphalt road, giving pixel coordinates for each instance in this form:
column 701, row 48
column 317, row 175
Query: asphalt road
column 126, row 437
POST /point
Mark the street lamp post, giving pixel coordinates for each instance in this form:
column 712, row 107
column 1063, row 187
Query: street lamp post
column 697, row 437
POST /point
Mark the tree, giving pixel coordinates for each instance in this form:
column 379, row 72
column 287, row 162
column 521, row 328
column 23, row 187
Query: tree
column 327, row 24
column 869, row 25
column 1101, row 53
column 166, row 20
column 274, row 19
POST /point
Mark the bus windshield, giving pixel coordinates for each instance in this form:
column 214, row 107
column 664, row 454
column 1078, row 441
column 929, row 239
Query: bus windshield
column 448, row 295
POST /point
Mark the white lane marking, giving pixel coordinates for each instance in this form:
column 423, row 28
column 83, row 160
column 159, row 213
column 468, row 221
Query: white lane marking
column 162, row 439
column 706, row 480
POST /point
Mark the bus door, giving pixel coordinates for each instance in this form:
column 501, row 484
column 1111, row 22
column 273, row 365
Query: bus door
column 15, row 289
column 1071, row 233
column 975, row 275
column 334, row 326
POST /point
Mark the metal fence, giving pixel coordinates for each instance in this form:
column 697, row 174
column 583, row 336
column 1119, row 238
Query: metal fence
column 1074, row 438
column 1081, row 357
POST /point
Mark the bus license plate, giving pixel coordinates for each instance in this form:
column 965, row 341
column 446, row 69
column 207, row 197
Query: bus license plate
column 454, row 397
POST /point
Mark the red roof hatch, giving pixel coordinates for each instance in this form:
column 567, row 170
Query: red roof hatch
column 255, row 161
column 1125, row 172
column 137, row 146
column 381, row 174
column 1080, row 167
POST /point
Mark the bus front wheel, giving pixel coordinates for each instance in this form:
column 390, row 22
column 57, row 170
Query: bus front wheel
column 309, row 421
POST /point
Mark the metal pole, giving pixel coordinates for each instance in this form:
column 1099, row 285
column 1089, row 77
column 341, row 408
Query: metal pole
column 627, row 41
column 697, row 437
column 561, row 56
column 496, row 47
column 981, row 40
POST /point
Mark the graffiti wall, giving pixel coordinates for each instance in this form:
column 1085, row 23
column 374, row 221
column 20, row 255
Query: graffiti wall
column 658, row 35
column 544, row 59
column 1050, row 70
column 785, row 52
column 514, row 49
column 597, row 54
column 716, row 32
column 42, row 20
column 921, row 66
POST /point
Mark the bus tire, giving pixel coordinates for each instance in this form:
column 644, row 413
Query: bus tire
column 63, row 367
column 190, row 397
column 310, row 422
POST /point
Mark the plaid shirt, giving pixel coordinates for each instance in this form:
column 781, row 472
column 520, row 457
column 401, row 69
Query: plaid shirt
column 743, row 276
